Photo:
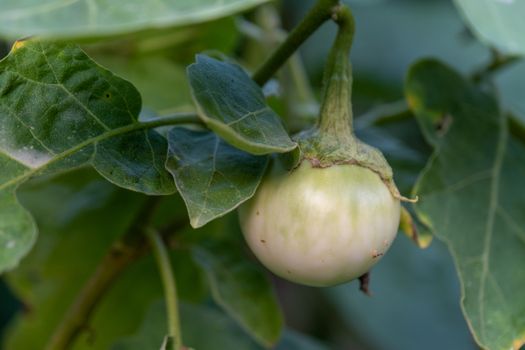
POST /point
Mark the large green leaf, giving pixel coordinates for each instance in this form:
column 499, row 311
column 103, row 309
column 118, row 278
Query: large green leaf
column 205, row 328
column 233, row 106
column 496, row 22
column 60, row 110
column 80, row 216
column 243, row 290
column 472, row 195
column 212, row 176
column 82, row 18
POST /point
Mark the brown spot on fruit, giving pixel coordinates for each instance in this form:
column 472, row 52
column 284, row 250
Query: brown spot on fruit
column 263, row 241
column 376, row 254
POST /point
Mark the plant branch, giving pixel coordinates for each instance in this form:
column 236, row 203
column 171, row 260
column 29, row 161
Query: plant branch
column 498, row 62
column 169, row 284
column 318, row 14
column 122, row 253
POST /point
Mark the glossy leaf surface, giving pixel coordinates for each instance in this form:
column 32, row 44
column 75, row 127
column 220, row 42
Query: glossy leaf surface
column 233, row 105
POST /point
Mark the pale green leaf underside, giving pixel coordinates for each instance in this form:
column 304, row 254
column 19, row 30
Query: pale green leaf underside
column 59, row 110
column 472, row 194
column 233, row 105
column 497, row 22
column 83, row 18
column 212, row 177
column 242, row 289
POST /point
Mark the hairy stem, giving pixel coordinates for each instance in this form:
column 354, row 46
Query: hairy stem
column 123, row 252
column 318, row 14
column 170, row 290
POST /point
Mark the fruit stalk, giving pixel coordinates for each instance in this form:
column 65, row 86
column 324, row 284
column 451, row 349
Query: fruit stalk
column 336, row 118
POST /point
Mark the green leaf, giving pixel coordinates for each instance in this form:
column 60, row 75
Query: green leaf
column 70, row 19
column 80, row 215
column 168, row 343
column 233, row 105
column 213, row 177
column 203, row 328
column 59, row 110
column 242, row 289
column 497, row 23
column 470, row 195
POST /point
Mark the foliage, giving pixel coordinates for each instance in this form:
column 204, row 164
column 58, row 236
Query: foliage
column 90, row 161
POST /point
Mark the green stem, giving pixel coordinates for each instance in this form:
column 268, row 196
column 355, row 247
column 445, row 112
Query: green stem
column 321, row 12
column 170, row 289
column 336, row 117
column 497, row 63
column 122, row 253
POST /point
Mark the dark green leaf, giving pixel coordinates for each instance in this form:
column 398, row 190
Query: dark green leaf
column 60, row 110
column 67, row 19
column 80, row 215
column 212, row 176
column 243, row 290
column 168, row 343
column 233, row 106
column 472, row 196
column 203, row 328
column 498, row 23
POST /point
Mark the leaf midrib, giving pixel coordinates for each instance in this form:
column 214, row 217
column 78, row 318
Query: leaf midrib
column 94, row 140
column 489, row 227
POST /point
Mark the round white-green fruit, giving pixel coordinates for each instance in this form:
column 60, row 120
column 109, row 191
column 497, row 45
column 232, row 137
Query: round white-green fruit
column 320, row 226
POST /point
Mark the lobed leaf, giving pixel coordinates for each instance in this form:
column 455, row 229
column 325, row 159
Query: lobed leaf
column 472, row 196
column 84, row 18
column 213, row 177
column 233, row 105
column 59, row 110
